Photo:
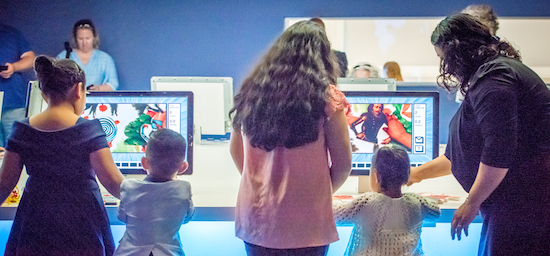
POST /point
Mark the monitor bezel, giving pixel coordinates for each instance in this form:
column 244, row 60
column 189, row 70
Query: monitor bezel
column 34, row 103
column 423, row 94
column 356, row 84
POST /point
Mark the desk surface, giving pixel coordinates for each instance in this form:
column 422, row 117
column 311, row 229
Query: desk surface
column 215, row 180
column 215, row 183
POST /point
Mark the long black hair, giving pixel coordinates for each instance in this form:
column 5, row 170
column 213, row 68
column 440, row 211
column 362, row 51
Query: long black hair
column 370, row 108
column 466, row 44
column 283, row 100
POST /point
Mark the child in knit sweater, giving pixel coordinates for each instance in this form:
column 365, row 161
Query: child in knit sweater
column 386, row 221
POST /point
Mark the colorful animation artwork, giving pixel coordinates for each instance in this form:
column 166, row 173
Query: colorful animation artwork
column 129, row 132
column 374, row 125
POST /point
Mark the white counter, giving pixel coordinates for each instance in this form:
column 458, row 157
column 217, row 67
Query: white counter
column 215, row 180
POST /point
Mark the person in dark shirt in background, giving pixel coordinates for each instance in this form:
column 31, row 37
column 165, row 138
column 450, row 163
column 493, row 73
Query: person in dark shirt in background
column 341, row 56
column 15, row 56
column 485, row 14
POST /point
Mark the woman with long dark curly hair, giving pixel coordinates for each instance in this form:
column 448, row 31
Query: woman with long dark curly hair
column 287, row 115
column 499, row 144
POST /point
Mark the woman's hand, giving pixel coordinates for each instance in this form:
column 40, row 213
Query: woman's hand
column 487, row 180
column 413, row 177
column 438, row 167
column 464, row 215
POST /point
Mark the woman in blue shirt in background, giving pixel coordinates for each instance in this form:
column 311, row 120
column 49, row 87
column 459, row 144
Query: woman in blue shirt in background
column 98, row 66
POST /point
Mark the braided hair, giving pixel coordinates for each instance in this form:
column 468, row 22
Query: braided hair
column 57, row 77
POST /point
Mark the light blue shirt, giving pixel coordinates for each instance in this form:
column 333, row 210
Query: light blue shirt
column 99, row 70
column 153, row 213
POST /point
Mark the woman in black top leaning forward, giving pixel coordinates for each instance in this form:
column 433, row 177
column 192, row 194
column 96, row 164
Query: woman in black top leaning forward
column 499, row 139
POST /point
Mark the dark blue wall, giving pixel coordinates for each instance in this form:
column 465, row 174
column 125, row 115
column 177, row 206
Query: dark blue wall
column 205, row 37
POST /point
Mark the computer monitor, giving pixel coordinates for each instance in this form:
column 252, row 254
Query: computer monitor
column 448, row 105
column 213, row 100
column 35, row 102
column 366, row 84
column 1, row 102
column 371, row 113
column 128, row 117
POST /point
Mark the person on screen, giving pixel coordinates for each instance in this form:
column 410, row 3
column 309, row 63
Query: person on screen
column 364, row 70
column 341, row 56
column 291, row 144
column 386, row 221
column 155, row 208
column 372, row 121
column 399, row 124
column 16, row 56
column 392, row 70
column 98, row 66
column 499, row 145
column 61, row 211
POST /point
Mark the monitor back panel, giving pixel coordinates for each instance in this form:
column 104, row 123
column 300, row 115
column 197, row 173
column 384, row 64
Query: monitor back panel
column 367, row 84
column 213, row 100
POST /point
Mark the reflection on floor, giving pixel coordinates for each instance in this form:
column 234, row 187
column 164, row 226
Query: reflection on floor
column 201, row 238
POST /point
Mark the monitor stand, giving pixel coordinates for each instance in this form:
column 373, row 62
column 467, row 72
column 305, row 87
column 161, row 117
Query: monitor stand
column 364, row 184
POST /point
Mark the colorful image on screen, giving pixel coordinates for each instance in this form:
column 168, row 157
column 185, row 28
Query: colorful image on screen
column 371, row 125
column 128, row 120
column 128, row 132
column 377, row 119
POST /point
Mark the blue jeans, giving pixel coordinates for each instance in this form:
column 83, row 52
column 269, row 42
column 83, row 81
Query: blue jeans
column 9, row 116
